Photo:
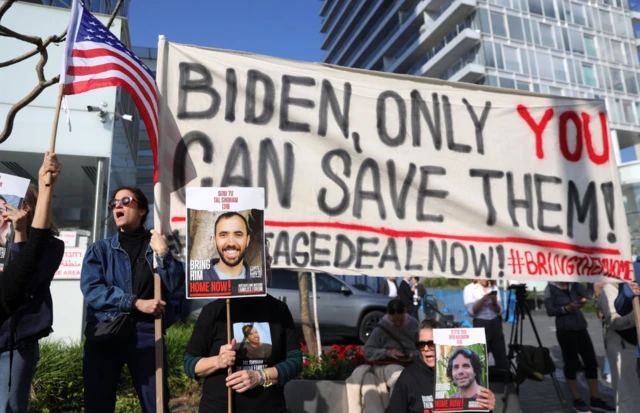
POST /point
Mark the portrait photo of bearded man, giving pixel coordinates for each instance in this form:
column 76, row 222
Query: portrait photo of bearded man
column 231, row 239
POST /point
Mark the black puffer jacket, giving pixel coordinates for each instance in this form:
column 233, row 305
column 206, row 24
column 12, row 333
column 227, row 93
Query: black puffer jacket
column 555, row 299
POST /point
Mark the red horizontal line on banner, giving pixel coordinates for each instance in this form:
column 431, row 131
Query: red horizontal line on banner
column 209, row 294
column 424, row 234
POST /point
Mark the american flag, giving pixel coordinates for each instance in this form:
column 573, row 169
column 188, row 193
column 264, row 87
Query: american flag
column 94, row 58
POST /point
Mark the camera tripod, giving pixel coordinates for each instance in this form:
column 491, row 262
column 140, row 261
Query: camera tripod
column 515, row 343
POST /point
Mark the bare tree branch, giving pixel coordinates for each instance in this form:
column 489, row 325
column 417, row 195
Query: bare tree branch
column 5, row 6
column 41, row 48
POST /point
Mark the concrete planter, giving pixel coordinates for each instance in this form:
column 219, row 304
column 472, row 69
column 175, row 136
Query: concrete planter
column 330, row 396
column 316, row 396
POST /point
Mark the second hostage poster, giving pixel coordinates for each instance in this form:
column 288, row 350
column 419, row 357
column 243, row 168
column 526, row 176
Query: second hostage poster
column 461, row 369
column 225, row 242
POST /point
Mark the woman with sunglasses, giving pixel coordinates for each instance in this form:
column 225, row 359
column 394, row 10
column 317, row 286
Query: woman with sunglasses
column 118, row 286
column 413, row 392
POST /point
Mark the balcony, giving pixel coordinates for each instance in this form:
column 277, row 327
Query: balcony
column 348, row 40
column 447, row 16
column 449, row 54
column 469, row 73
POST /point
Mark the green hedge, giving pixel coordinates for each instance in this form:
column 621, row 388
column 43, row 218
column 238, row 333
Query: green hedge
column 57, row 385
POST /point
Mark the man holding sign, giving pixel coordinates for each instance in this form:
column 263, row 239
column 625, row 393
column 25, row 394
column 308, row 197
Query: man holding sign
column 231, row 240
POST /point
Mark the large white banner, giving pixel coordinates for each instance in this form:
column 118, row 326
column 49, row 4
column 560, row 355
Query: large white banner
column 384, row 175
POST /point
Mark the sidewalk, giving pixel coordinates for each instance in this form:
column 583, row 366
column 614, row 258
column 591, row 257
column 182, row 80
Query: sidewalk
column 540, row 397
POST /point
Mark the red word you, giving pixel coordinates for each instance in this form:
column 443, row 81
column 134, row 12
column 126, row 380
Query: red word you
column 584, row 139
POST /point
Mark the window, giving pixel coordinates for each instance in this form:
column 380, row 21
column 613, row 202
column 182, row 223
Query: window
column 507, row 83
column 522, row 86
column 532, row 63
column 484, row 21
column 544, row 64
column 549, row 10
column 511, row 60
column 616, row 79
column 627, row 110
column 536, row 88
column 326, row 283
column 284, row 279
column 488, row 54
column 618, row 53
column 546, row 34
column 525, row 61
column 620, row 24
column 630, row 82
column 527, row 30
column 588, row 75
column 535, row 7
column 605, row 20
column 578, row 14
column 572, row 72
column 492, row 80
column 555, row 91
column 515, row 27
column 565, row 39
column 590, row 46
column 637, row 112
column 601, row 81
column 576, row 41
column 499, row 56
column 559, row 69
column 497, row 24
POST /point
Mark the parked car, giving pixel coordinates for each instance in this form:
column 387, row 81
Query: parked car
column 343, row 310
column 364, row 287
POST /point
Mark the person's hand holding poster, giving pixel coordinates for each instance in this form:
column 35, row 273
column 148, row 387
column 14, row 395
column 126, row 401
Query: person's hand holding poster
column 225, row 242
column 461, row 369
column 12, row 192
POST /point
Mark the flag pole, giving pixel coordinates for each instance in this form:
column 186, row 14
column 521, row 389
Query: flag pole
column 54, row 131
column 157, row 294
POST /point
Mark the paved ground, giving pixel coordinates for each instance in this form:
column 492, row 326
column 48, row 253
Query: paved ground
column 540, row 397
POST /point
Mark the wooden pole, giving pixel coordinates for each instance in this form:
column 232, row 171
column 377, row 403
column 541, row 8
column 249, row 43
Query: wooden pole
column 157, row 294
column 230, row 369
column 54, row 131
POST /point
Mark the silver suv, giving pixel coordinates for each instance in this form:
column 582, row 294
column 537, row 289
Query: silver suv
column 343, row 309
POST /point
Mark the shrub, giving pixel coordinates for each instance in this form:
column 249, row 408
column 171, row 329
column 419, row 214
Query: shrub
column 57, row 385
column 335, row 364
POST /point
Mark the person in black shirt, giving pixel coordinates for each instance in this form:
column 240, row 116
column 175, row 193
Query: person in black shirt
column 16, row 277
column 117, row 282
column 258, row 379
column 413, row 392
column 405, row 294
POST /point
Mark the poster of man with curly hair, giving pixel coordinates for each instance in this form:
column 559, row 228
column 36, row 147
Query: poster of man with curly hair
column 461, row 372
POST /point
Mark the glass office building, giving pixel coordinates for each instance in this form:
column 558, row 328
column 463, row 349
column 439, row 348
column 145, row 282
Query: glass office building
column 96, row 6
column 561, row 47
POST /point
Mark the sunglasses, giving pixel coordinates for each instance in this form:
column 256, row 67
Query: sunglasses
column 421, row 344
column 126, row 200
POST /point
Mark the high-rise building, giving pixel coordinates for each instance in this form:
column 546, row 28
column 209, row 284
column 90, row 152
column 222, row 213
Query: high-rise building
column 574, row 48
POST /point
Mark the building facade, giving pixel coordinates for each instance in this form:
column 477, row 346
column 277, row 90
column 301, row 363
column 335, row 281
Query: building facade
column 583, row 49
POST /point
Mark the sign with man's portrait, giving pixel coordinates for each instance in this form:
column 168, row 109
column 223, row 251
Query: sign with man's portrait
column 225, row 242
column 461, row 371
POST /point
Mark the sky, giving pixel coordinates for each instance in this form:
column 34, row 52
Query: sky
column 280, row 28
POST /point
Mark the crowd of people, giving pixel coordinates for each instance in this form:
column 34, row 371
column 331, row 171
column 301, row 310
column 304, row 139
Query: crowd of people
column 117, row 283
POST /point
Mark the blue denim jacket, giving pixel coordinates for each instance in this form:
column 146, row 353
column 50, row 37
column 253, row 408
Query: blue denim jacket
column 624, row 304
column 106, row 278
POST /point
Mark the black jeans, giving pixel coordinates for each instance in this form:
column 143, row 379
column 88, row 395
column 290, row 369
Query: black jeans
column 495, row 340
column 572, row 344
